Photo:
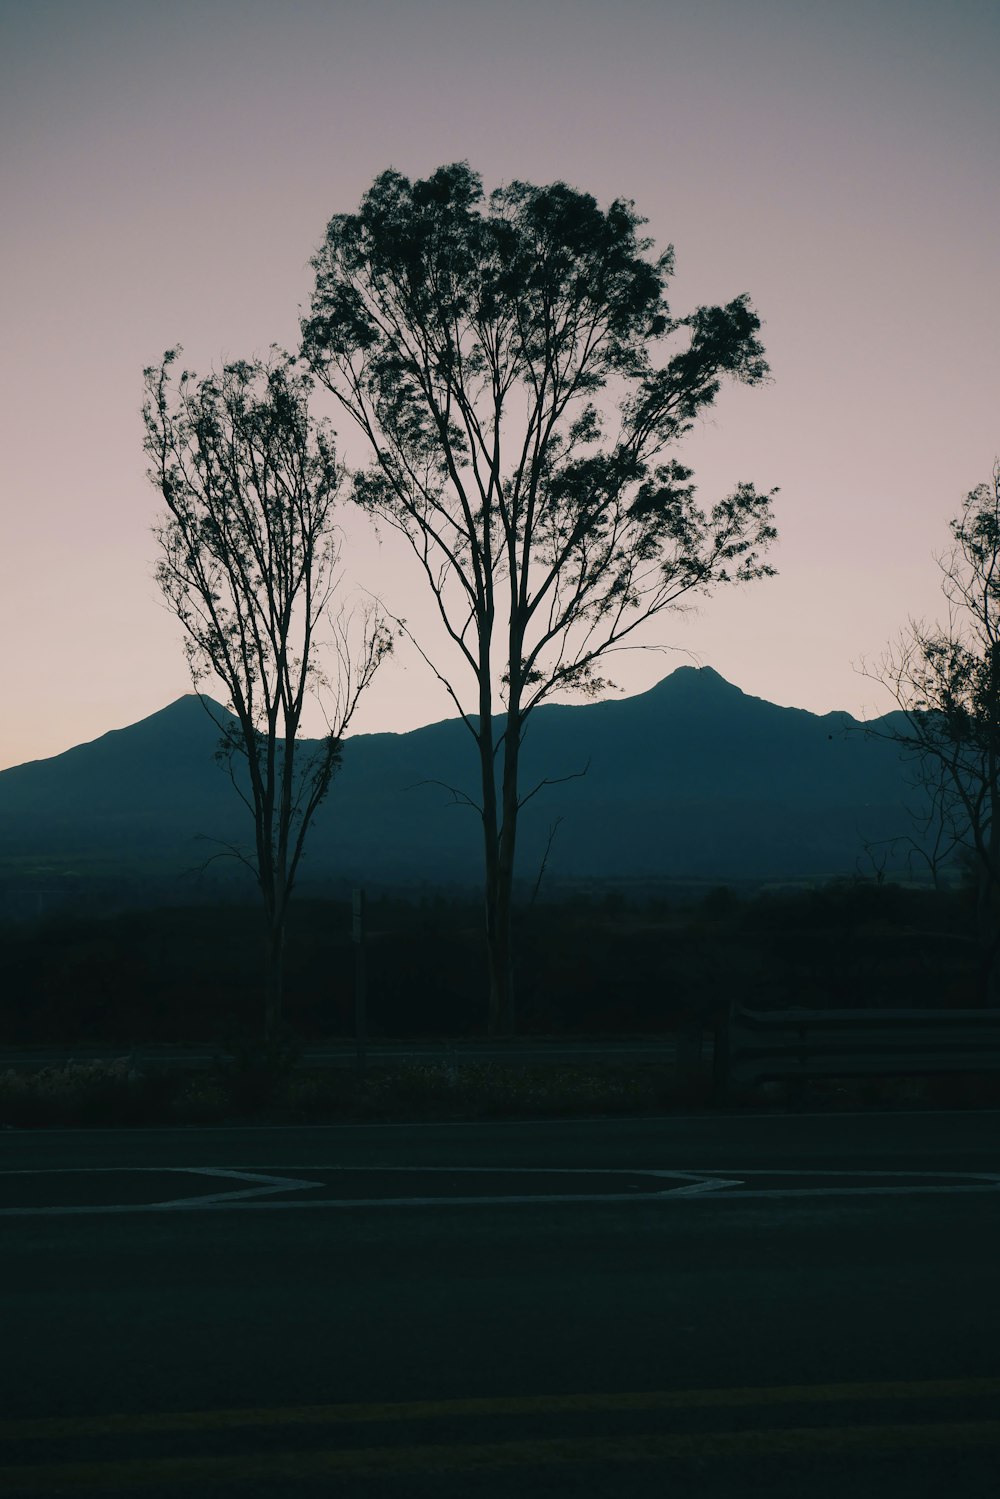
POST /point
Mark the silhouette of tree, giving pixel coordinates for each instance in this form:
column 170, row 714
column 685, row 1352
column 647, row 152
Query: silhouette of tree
column 945, row 678
column 248, row 562
column 516, row 370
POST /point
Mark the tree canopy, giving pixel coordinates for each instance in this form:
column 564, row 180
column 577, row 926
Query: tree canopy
column 499, row 354
column 249, row 556
column 514, row 364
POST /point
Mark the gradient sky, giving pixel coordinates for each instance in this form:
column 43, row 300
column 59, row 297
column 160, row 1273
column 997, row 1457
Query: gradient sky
column 168, row 167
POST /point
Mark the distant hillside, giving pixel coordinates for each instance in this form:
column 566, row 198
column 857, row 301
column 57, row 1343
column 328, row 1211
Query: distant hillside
column 691, row 779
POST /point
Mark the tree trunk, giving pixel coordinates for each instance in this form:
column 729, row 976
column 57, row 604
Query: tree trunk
column 500, row 952
column 500, row 889
column 497, row 914
column 273, row 977
column 498, row 947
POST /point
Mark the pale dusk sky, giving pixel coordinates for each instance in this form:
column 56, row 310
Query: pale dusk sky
column 167, row 170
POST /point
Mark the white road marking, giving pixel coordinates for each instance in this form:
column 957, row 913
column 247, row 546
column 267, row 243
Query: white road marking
column 711, row 1182
column 696, row 1188
column 270, row 1185
column 264, row 1186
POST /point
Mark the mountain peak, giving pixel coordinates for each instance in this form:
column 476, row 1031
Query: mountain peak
column 695, row 681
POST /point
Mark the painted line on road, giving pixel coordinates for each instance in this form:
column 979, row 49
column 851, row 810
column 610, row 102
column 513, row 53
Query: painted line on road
column 706, row 1184
column 270, row 1184
column 264, row 1185
column 296, row 1465
column 911, row 1183
column 54, row 1428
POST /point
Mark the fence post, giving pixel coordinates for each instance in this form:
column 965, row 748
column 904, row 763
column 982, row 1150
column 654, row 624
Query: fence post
column 688, row 1054
column 721, row 1022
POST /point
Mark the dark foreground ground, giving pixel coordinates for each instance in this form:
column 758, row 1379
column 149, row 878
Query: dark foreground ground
column 794, row 1305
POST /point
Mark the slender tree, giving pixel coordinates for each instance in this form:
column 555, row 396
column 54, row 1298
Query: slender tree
column 945, row 679
column 518, row 375
column 248, row 562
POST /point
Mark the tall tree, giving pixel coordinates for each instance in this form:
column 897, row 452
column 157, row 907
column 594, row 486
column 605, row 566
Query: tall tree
column 248, row 562
column 945, row 679
column 516, row 370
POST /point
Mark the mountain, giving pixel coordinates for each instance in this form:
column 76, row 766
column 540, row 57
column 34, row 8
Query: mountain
column 692, row 779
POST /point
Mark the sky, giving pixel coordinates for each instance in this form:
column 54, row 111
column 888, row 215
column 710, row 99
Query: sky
column 167, row 170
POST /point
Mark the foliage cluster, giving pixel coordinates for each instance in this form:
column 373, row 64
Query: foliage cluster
column 86, row 1093
column 116, row 1092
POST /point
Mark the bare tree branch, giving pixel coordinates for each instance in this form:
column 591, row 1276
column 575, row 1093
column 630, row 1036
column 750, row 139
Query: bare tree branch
column 574, row 775
column 553, row 829
column 459, row 797
column 249, row 556
column 945, row 680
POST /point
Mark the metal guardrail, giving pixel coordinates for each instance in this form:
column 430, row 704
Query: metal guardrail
column 755, row 1046
column 546, row 1052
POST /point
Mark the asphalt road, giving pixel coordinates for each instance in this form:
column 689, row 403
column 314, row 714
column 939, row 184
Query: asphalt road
column 728, row 1304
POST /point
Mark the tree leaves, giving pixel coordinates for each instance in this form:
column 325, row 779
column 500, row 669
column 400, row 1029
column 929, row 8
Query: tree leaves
column 486, row 346
column 248, row 563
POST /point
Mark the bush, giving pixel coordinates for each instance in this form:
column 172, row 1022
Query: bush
column 257, row 1085
column 107, row 1093
column 485, row 1091
column 202, row 1099
column 86, row 1093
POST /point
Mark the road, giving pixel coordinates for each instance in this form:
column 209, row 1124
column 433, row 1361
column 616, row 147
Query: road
column 731, row 1304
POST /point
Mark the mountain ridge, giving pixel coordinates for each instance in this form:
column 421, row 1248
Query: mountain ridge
column 692, row 777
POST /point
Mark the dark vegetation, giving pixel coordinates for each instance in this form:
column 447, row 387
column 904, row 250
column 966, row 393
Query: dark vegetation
column 117, row 1092
column 519, row 378
column 249, row 562
column 596, row 963
column 946, row 682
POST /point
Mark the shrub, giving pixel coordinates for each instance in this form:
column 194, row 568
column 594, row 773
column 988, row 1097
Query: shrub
column 202, row 1099
column 86, row 1093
